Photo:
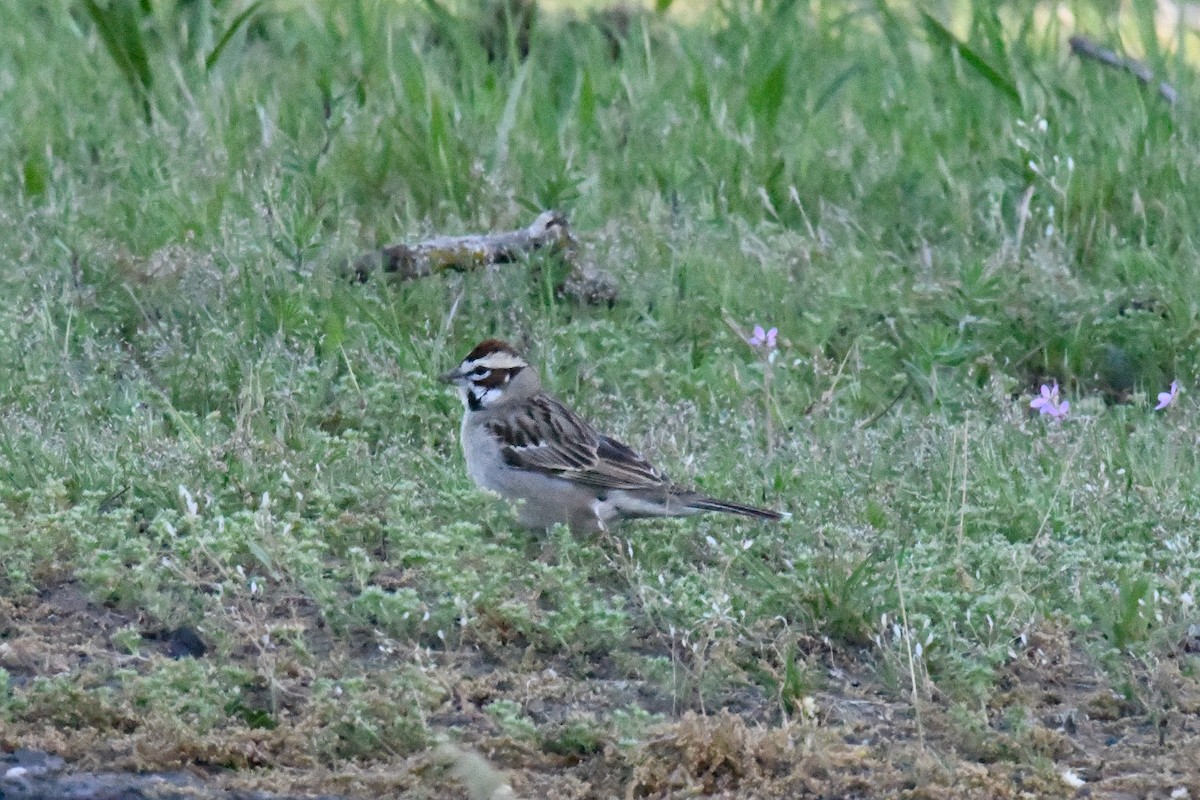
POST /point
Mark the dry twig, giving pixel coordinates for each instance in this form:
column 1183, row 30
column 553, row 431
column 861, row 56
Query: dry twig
column 1084, row 47
column 462, row 253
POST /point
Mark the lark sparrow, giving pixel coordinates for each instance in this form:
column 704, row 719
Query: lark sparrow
column 528, row 447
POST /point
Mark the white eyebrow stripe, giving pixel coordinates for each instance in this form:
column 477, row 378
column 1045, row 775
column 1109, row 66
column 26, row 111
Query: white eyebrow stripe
column 500, row 360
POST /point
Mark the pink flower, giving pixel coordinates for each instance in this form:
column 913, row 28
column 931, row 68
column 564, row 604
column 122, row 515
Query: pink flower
column 1167, row 399
column 761, row 337
column 1048, row 404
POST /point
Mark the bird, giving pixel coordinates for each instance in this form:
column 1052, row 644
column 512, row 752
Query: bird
column 525, row 445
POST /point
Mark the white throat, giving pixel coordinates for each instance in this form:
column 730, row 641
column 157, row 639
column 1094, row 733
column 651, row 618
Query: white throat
column 482, row 396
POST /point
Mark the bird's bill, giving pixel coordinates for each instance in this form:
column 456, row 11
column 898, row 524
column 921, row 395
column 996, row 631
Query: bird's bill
column 453, row 376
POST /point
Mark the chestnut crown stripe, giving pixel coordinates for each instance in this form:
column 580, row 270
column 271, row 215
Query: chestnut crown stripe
column 495, row 354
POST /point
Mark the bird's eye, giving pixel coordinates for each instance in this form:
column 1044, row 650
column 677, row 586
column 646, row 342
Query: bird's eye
column 481, row 372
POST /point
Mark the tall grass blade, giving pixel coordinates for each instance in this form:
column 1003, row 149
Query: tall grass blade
column 120, row 31
column 1143, row 15
column 835, row 86
column 993, row 33
column 234, row 26
column 942, row 35
column 508, row 118
column 892, row 28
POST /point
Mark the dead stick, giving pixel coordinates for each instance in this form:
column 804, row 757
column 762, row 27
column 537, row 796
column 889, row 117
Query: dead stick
column 462, row 253
column 1086, row 48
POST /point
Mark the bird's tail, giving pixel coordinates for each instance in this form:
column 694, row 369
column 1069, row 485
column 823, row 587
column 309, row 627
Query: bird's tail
column 712, row 504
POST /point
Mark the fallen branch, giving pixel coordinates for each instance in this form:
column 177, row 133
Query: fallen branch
column 1086, row 48
column 463, row 253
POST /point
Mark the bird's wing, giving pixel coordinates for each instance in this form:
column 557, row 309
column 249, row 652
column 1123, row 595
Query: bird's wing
column 547, row 437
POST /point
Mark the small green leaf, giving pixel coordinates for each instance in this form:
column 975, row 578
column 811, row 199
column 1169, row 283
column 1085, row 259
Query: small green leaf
column 766, row 96
column 587, row 103
column 794, row 687
column 876, row 514
column 35, row 175
column 262, row 558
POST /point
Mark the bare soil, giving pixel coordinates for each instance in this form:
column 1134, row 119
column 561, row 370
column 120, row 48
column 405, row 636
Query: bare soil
column 1054, row 727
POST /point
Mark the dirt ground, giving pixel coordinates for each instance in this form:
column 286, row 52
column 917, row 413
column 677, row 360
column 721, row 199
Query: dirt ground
column 1053, row 728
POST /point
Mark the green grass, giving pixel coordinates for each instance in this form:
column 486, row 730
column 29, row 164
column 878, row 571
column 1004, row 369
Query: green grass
column 204, row 425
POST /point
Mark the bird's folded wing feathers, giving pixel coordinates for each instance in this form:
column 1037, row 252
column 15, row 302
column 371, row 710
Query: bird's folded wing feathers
column 553, row 440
